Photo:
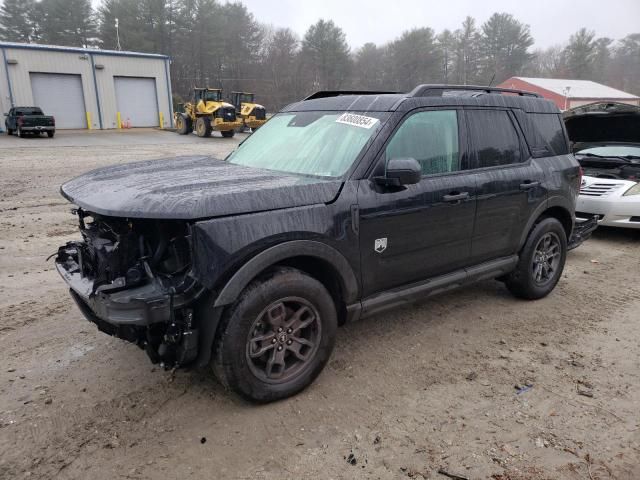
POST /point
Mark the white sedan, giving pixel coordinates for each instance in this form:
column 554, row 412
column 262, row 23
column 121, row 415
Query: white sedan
column 615, row 202
column 605, row 139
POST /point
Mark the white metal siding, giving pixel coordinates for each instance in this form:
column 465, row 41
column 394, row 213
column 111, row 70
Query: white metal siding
column 97, row 84
column 137, row 101
column 60, row 95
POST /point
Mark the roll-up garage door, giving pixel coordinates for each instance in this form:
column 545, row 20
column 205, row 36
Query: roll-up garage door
column 60, row 95
column 137, row 101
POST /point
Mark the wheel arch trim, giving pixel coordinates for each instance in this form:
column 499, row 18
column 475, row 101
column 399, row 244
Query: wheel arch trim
column 555, row 202
column 295, row 248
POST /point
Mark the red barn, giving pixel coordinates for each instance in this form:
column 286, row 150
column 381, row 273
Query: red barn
column 570, row 93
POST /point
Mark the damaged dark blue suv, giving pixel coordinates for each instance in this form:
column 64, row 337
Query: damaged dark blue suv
column 341, row 206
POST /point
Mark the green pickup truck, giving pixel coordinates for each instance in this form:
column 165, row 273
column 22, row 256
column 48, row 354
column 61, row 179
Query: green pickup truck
column 24, row 120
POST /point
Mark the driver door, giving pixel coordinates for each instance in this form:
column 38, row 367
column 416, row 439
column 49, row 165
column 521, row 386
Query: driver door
column 419, row 231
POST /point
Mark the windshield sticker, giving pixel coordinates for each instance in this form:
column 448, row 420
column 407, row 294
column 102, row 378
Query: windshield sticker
column 357, row 120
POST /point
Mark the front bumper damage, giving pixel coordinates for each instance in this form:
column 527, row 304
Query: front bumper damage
column 153, row 311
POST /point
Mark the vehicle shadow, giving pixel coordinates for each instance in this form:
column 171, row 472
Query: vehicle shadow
column 618, row 235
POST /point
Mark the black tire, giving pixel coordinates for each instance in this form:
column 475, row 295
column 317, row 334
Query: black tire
column 228, row 133
column 50, row 134
column 203, row 127
column 237, row 363
column 183, row 124
column 9, row 131
column 540, row 265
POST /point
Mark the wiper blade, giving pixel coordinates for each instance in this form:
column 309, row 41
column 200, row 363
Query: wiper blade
column 625, row 159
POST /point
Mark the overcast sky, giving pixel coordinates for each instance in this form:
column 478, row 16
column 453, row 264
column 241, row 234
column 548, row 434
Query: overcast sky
column 378, row 21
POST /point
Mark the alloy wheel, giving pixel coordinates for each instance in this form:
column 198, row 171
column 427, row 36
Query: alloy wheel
column 283, row 340
column 546, row 258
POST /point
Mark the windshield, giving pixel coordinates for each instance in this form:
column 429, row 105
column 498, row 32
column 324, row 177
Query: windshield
column 28, row 111
column 612, row 151
column 212, row 96
column 321, row 144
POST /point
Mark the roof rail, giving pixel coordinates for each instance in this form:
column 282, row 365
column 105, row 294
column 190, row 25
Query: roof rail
column 337, row 93
column 427, row 90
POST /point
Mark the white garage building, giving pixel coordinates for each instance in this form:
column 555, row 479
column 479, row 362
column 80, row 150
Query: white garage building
column 87, row 88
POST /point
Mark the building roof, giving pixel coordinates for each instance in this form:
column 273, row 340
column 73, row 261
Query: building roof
column 578, row 88
column 93, row 51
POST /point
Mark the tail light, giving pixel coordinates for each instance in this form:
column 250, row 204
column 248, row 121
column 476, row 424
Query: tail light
column 579, row 177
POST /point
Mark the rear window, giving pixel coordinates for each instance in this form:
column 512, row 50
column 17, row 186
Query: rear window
column 549, row 127
column 28, row 111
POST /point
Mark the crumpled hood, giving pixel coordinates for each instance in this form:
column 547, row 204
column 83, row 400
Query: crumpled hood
column 192, row 187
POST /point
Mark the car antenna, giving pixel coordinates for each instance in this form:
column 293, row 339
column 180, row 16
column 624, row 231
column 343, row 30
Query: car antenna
column 492, row 79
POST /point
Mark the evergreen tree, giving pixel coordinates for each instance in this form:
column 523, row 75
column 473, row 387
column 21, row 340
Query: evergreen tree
column 67, row 22
column 580, row 53
column 466, row 57
column 415, row 59
column 504, row 48
column 16, row 23
column 325, row 53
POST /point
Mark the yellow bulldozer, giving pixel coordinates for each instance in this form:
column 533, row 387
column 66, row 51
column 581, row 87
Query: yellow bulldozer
column 207, row 113
column 253, row 114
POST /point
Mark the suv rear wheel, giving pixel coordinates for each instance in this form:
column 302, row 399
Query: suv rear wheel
column 277, row 337
column 541, row 261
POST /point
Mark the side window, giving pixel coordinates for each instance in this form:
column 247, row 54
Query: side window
column 549, row 126
column 494, row 137
column 431, row 138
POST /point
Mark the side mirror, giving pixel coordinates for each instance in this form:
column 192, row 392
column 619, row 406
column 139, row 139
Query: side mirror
column 6, row 114
column 401, row 171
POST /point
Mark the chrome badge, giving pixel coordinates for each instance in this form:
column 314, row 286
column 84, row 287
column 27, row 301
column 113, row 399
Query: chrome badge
column 380, row 245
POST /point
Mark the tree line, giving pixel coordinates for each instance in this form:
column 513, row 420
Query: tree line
column 223, row 45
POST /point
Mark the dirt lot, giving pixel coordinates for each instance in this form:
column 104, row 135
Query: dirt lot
column 405, row 394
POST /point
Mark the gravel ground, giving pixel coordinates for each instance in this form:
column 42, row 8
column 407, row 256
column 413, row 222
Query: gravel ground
column 428, row 387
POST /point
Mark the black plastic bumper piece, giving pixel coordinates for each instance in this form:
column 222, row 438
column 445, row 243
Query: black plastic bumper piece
column 119, row 304
column 582, row 230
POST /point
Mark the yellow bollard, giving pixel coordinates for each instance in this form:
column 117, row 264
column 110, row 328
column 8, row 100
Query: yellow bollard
column 89, row 120
column 161, row 120
column 119, row 120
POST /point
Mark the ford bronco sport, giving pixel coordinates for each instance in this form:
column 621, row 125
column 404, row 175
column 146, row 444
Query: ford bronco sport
column 341, row 206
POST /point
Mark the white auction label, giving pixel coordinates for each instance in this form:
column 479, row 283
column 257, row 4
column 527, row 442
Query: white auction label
column 356, row 120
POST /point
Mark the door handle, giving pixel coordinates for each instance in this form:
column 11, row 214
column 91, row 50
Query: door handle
column 528, row 184
column 456, row 197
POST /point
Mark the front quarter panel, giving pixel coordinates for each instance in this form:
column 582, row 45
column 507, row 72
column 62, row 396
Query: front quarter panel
column 221, row 246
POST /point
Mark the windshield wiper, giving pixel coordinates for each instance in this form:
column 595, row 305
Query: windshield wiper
column 626, row 159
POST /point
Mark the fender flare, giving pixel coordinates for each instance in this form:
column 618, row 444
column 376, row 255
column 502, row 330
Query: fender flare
column 555, row 201
column 283, row 251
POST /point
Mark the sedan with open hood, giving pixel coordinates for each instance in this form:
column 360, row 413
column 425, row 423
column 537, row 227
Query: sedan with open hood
column 605, row 139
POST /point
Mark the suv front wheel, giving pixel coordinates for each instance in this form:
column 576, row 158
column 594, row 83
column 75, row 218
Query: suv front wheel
column 277, row 337
column 541, row 261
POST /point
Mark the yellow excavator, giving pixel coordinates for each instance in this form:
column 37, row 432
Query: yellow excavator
column 207, row 113
column 253, row 114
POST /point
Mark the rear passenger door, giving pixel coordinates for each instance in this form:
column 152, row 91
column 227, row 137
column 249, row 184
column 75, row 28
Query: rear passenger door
column 510, row 185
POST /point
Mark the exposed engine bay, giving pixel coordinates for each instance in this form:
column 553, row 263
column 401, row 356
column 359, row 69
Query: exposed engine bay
column 607, row 167
column 123, row 262
column 605, row 137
